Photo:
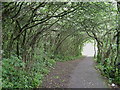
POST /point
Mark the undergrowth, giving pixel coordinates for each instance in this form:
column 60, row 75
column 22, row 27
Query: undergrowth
column 109, row 71
column 16, row 74
column 66, row 58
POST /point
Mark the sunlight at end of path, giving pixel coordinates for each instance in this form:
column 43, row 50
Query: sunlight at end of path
column 88, row 49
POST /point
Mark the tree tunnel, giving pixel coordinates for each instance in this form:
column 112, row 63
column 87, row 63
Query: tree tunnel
column 40, row 33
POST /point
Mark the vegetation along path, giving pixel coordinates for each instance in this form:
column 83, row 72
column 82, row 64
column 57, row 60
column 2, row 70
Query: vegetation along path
column 75, row 74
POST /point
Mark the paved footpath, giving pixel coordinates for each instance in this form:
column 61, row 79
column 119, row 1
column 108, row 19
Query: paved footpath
column 86, row 76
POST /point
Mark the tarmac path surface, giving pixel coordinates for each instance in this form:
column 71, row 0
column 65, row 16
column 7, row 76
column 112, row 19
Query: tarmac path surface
column 86, row 76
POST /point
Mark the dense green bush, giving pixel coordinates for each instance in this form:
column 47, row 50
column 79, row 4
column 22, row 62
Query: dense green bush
column 13, row 72
column 15, row 75
column 110, row 72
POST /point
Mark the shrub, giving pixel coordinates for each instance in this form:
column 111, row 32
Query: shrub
column 14, row 74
